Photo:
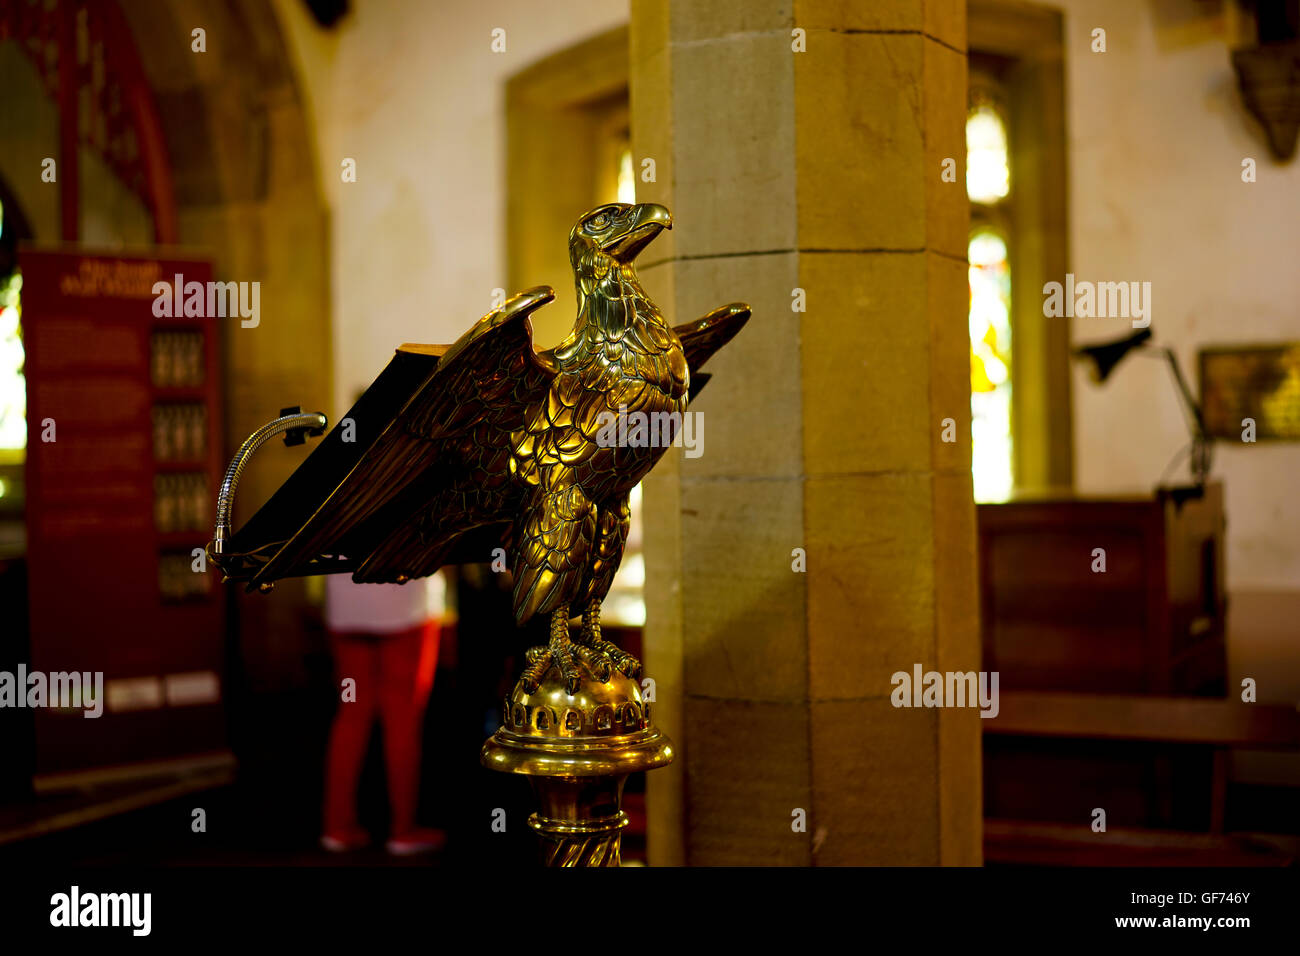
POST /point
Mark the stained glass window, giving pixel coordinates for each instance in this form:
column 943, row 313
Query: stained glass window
column 988, row 177
column 990, row 360
column 13, row 388
column 988, row 184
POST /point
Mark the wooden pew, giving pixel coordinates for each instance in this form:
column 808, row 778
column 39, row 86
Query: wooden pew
column 1158, row 730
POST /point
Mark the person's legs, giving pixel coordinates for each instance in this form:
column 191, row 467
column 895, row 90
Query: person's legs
column 355, row 658
column 407, row 664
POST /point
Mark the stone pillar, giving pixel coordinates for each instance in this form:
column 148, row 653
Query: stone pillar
column 817, row 171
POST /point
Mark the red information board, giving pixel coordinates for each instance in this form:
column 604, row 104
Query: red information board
column 123, row 463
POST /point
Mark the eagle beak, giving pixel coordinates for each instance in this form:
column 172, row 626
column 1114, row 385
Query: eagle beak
column 648, row 220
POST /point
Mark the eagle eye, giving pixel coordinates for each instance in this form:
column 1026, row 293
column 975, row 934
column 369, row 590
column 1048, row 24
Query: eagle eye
column 599, row 221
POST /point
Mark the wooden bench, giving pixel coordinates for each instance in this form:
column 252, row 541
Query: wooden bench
column 1213, row 726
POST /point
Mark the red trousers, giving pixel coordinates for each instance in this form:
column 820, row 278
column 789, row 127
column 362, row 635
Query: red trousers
column 393, row 674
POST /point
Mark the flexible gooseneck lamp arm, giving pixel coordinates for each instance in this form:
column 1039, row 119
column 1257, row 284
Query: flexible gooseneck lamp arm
column 1105, row 356
column 1201, row 446
column 296, row 425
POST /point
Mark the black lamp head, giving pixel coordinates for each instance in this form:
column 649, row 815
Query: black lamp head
column 1104, row 356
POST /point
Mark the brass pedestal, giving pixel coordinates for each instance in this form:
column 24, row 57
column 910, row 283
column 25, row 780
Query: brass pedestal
column 577, row 751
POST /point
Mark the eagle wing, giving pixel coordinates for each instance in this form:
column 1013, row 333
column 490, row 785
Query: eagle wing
column 447, row 449
column 701, row 338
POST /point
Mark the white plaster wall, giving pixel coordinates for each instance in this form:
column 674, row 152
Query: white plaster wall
column 412, row 91
column 1157, row 134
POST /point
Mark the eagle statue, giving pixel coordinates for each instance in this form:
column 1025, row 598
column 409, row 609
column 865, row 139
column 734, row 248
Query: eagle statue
column 455, row 451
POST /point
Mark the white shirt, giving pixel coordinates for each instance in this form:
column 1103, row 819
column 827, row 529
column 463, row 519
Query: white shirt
column 382, row 608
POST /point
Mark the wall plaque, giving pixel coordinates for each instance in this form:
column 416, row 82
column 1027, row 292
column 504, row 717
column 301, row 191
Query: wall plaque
column 1256, row 382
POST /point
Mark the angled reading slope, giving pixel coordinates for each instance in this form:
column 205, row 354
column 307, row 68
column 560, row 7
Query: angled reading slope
column 293, row 504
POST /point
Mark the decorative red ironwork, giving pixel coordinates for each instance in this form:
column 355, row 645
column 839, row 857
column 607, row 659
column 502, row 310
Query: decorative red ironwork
column 87, row 60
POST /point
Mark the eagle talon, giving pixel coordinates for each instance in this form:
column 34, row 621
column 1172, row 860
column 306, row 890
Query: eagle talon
column 624, row 663
column 607, row 652
column 531, row 678
column 600, row 667
column 632, row 667
column 560, row 653
column 615, row 657
column 542, row 659
column 569, row 671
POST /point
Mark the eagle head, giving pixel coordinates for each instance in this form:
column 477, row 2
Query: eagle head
column 605, row 241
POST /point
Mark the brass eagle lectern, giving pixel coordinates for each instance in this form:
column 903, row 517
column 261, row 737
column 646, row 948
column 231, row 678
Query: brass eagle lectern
column 457, row 450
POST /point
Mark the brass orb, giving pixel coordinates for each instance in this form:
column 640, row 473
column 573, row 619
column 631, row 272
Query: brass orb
column 577, row 751
column 605, row 728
